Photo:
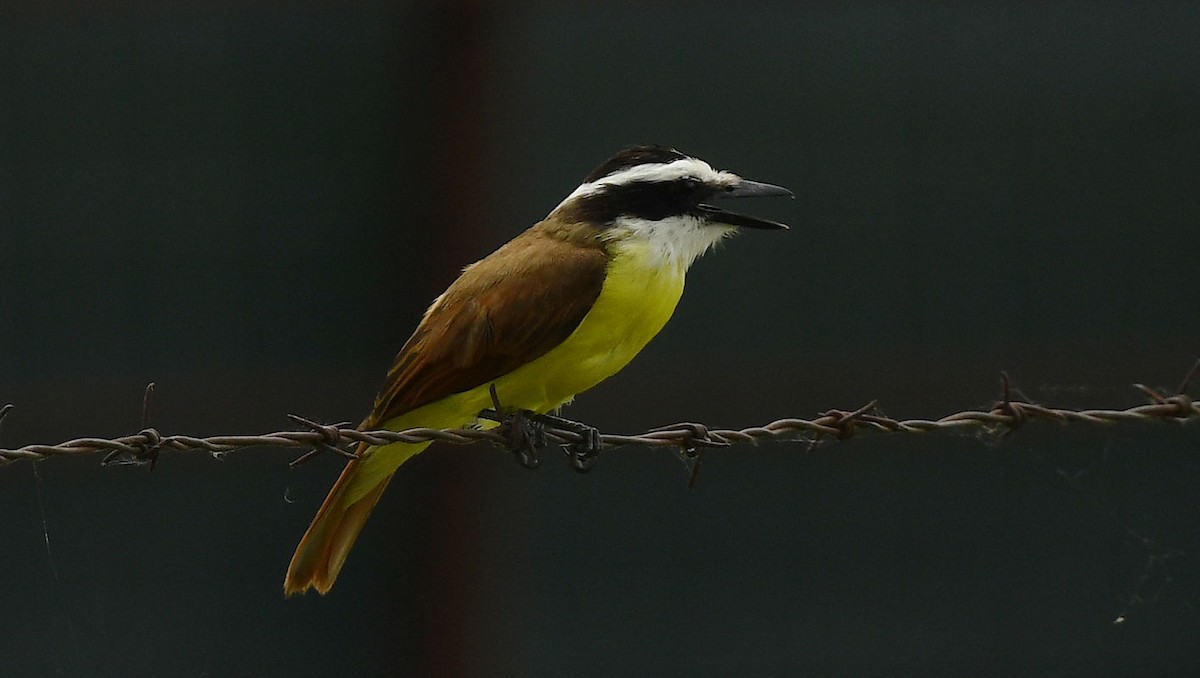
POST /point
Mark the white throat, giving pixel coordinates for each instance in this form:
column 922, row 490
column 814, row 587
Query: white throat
column 674, row 241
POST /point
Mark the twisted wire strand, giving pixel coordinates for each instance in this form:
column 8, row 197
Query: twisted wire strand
column 1003, row 418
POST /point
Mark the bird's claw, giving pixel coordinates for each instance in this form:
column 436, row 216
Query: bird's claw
column 526, row 435
column 583, row 454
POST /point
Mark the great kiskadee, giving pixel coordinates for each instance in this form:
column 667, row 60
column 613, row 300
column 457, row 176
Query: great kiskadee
column 555, row 311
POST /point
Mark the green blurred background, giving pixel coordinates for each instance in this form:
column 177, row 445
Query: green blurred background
column 252, row 203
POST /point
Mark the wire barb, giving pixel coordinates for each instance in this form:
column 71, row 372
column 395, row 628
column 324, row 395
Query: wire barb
column 330, row 441
column 146, row 398
column 690, row 439
column 1187, row 380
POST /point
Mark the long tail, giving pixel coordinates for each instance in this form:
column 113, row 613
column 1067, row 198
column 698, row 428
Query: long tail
column 324, row 547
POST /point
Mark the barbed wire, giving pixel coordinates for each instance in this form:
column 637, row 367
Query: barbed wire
column 1004, row 417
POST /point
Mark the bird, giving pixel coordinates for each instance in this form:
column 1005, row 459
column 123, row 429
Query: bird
column 553, row 312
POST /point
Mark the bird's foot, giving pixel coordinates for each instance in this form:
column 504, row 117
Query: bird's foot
column 582, row 454
column 526, row 435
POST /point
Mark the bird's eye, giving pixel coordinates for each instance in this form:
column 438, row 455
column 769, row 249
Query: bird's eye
column 692, row 183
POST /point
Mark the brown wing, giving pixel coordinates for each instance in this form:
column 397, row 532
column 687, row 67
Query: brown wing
column 503, row 311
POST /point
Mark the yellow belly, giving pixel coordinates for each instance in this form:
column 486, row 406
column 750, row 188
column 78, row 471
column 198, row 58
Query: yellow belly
column 635, row 303
column 638, row 297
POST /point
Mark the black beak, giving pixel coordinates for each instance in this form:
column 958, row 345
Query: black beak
column 744, row 189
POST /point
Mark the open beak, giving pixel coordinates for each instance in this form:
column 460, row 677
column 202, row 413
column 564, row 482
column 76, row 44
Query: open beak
column 744, row 189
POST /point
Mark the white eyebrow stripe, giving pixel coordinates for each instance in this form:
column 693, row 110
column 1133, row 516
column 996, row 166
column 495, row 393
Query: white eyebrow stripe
column 656, row 172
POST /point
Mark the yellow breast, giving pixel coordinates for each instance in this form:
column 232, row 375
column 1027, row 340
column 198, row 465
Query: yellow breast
column 637, row 299
column 639, row 295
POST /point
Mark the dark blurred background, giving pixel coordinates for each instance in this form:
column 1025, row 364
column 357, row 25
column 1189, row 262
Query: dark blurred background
column 251, row 204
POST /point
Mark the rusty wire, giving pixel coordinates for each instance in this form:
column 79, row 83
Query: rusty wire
column 1004, row 417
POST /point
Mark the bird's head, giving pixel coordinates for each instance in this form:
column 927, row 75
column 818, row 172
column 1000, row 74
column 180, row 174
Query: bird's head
column 662, row 198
